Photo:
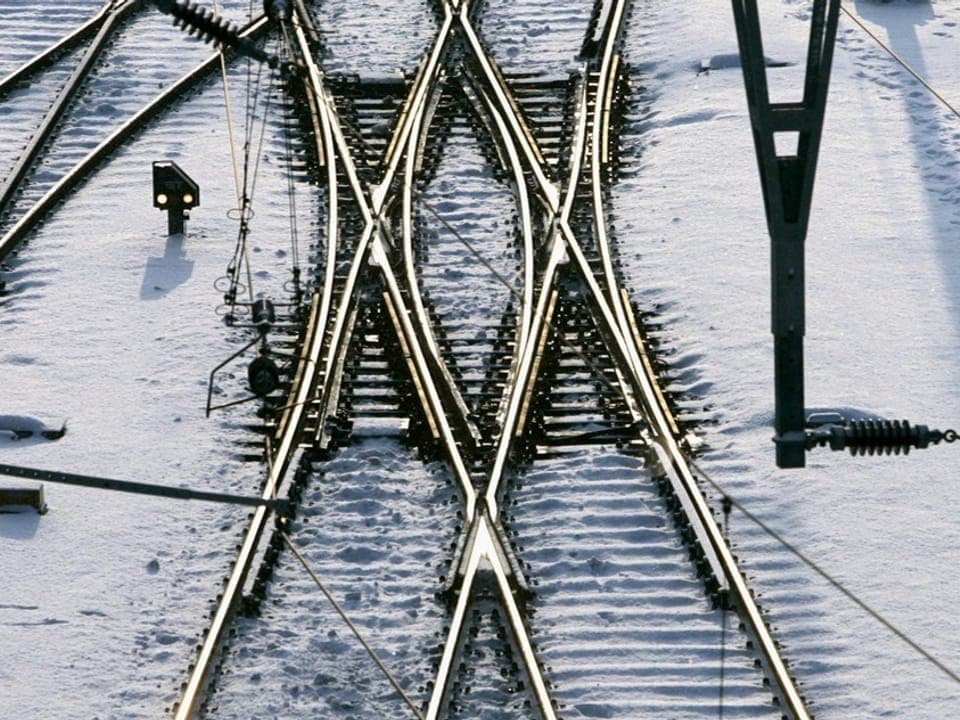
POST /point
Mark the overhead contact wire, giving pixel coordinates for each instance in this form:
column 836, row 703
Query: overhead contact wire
column 254, row 80
column 906, row 66
column 229, row 110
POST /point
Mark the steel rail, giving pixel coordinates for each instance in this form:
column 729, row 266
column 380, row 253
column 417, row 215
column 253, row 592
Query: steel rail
column 619, row 324
column 324, row 148
column 526, row 223
column 564, row 241
column 48, row 56
column 484, row 549
column 414, row 105
column 484, row 543
column 409, row 261
column 135, row 124
column 645, row 401
column 521, row 390
column 524, row 317
column 415, row 336
column 289, row 431
column 663, row 442
column 508, row 107
column 335, row 342
column 548, row 190
column 193, row 693
column 523, row 378
column 55, row 112
column 372, row 242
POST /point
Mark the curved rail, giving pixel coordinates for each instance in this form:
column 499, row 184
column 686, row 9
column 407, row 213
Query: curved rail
column 416, row 138
column 108, row 21
column 66, row 43
column 663, row 440
column 660, row 434
column 193, row 693
column 317, row 380
column 131, row 127
column 482, row 539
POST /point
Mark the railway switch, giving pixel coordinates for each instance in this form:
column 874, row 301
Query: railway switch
column 175, row 192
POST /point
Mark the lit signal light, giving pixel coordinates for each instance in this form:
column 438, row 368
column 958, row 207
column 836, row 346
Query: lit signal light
column 175, row 192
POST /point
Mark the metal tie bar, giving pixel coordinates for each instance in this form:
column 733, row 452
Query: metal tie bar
column 91, row 481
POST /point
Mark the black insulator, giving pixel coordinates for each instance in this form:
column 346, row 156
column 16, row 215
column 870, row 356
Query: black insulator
column 263, row 376
column 877, row 437
column 211, row 28
column 277, row 9
column 263, row 315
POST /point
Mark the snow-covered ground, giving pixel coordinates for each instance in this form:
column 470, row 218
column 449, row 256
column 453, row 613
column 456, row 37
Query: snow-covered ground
column 102, row 599
column 111, row 325
column 882, row 325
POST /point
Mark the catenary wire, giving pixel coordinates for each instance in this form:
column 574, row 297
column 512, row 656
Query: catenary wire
column 231, row 134
column 813, row 565
column 906, row 66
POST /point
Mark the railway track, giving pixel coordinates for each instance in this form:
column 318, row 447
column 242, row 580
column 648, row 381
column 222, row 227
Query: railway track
column 509, row 459
column 554, row 369
column 85, row 112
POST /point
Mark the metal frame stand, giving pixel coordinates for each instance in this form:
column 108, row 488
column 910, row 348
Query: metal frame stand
column 787, row 183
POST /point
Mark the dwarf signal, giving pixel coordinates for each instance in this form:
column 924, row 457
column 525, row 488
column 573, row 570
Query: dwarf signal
column 175, row 192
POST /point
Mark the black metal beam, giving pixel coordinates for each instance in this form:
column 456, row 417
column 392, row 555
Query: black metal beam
column 90, row 481
column 787, row 183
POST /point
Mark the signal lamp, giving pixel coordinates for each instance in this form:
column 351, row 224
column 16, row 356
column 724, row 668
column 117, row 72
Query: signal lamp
column 175, row 192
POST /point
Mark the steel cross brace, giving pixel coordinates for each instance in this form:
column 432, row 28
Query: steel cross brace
column 787, row 184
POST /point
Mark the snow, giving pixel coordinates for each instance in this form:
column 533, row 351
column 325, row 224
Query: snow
column 103, row 598
column 111, row 325
column 881, row 329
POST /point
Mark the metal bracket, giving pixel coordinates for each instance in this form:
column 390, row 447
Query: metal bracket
column 787, row 183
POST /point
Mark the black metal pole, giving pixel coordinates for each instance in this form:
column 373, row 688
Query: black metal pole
column 787, row 183
column 175, row 219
